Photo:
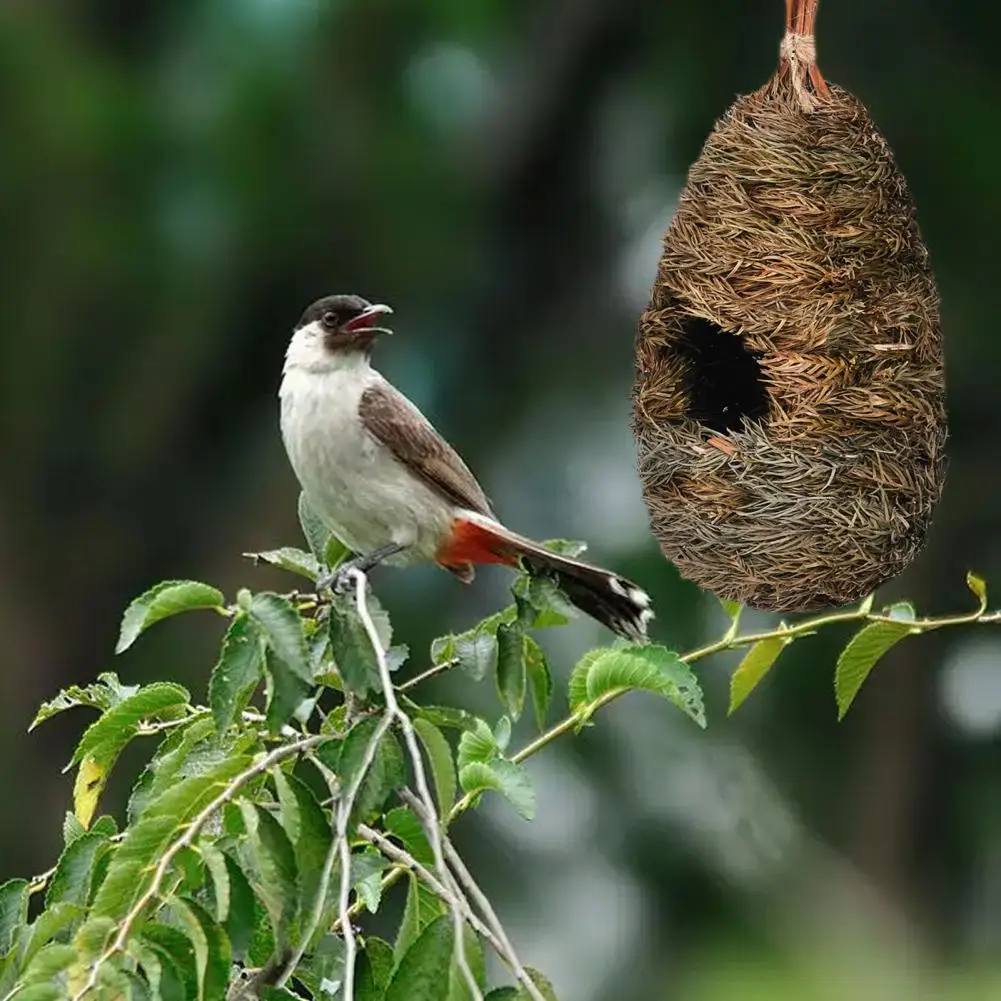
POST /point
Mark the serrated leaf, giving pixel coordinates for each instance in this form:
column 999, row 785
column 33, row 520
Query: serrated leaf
column 902, row 611
column 756, row 663
column 134, row 861
column 978, row 586
column 106, row 736
column 542, row 983
column 422, row 973
column 439, row 755
column 367, row 867
column 540, row 680
column 314, row 531
column 274, row 867
column 503, row 776
column 211, row 946
column 107, row 692
column 577, row 684
column 511, row 672
column 457, row 719
column 476, row 745
column 541, row 603
column 287, row 694
column 422, row 907
column 291, row 559
column 375, row 967
column 215, row 863
column 241, row 918
column 351, row 647
column 175, row 952
column 71, row 882
column 312, row 833
column 51, row 922
column 13, row 911
column 476, row 653
column 237, row 672
column 283, row 629
column 502, row 733
column 857, row 659
column 49, row 962
column 402, row 823
column 322, row 969
column 167, row 598
column 385, row 775
column 651, row 668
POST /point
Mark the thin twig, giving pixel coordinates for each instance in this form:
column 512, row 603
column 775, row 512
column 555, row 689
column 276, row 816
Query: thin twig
column 431, row 672
column 432, row 823
column 402, row 857
column 506, row 951
column 191, row 832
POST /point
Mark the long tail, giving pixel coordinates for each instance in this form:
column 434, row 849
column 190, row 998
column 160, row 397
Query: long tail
column 614, row 601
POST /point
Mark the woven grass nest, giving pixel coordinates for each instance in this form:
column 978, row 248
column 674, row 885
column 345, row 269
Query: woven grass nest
column 789, row 407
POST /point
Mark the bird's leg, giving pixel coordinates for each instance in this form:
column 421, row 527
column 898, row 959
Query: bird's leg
column 337, row 580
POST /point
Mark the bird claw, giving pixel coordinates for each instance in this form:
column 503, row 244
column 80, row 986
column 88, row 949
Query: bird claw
column 337, row 580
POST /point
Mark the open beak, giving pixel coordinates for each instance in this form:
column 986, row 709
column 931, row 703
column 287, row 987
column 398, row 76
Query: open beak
column 368, row 319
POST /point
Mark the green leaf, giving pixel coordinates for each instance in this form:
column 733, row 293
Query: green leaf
column 107, row 692
column 385, row 775
column 13, row 911
column 755, row 664
column 274, row 867
column 540, row 680
column 456, row 719
column 321, row 970
column 402, row 823
column 476, row 653
column 287, row 694
column 176, row 953
column 865, row 605
column 732, row 608
column 367, row 867
column 71, row 882
column 105, row 738
column 422, row 973
column 283, row 627
column 167, row 598
column 51, row 922
column 422, row 907
column 542, row 983
column 375, row 966
column 650, row 668
column 310, row 833
column 439, row 755
column 132, row 867
column 577, row 685
column 352, row 648
column 241, row 918
column 289, row 558
column 239, row 669
column 541, row 603
column 48, row 963
column 979, row 588
column 215, row 863
column 511, row 672
column 477, row 745
column 503, row 776
column 211, row 947
column 565, row 547
column 860, row 656
column 326, row 549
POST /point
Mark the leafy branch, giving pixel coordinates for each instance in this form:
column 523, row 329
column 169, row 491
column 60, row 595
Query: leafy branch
column 310, row 766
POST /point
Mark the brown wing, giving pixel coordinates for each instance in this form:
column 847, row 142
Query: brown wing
column 389, row 416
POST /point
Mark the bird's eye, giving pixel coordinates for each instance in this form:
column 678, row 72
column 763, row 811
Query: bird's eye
column 330, row 320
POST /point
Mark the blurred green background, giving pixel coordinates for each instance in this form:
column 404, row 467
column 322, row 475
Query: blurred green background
column 179, row 179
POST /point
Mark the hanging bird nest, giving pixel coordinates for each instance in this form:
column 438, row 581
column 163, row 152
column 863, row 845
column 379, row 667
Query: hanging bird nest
column 789, row 406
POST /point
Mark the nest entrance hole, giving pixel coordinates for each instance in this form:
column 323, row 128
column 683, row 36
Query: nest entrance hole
column 724, row 384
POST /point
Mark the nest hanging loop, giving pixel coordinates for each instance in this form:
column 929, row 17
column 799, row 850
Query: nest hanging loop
column 789, row 401
column 798, row 53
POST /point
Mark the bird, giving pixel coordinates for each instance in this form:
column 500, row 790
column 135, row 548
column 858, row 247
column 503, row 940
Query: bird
column 387, row 484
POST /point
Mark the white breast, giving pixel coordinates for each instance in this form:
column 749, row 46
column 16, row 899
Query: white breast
column 354, row 483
